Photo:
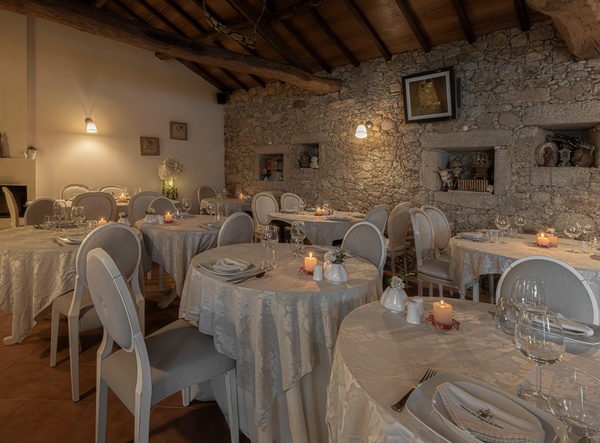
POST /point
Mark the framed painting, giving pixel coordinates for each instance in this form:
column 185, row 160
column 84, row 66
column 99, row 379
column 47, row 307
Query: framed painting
column 149, row 146
column 178, row 131
column 429, row 96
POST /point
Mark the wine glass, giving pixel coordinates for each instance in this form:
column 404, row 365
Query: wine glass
column 539, row 336
column 587, row 229
column 574, row 398
column 502, row 222
column 225, row 192
column 211, row 208
column 269, row 237
column 573, row 231
column 301, row 206
column 519, row 222
column 186, row 205
column 530, row 292
column 58, row 210
column 78, row 214
column 297, row 232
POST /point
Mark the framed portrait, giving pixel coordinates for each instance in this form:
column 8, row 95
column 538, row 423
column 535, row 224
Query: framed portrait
column 178, row 131
column 149, row 146
column 429, row 96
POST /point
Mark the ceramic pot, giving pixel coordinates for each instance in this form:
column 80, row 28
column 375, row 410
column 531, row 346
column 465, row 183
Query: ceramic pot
column 336, row 273
column 394, row 299
column 149, row 218
column 125, row 221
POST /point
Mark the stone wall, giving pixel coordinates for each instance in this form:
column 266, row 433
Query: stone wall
column 515, row 88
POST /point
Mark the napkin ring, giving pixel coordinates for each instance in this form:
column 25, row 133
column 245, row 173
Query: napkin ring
column 454, row 323
column 305, row 271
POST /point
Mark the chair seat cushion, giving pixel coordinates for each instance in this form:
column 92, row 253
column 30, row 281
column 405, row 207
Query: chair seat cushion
column 88, row 317
column 399, row 249
column 444, row 256
column 179, row 354
column 436, row 268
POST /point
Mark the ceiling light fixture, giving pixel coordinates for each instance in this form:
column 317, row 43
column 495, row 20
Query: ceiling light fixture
column 90, row 126
column 361, row 130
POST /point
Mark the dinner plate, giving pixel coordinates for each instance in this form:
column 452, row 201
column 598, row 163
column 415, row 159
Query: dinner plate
column 74, row 239
column 471, row 235
column 420, row 406
column 288, row 211
column 208, row 266
column 337, row 218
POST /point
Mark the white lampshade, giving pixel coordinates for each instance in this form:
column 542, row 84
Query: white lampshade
column 361, row 131
column 91, row 126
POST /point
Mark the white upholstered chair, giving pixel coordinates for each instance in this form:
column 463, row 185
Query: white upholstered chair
column 289, row 201
column 145, row 371
column 237, row 228
column 123, row 244
column 429, row 268
column 378, row 216
column 262, row 204
column 567, row 291
column 397, row 229
column 37, row 210
column 97, row 205
column 70, row 191
column 365, row 240
column 138, row 205
column 114, row 190
column 13, row 208
column 442, row 230
column 162, row 205
column 205, row 192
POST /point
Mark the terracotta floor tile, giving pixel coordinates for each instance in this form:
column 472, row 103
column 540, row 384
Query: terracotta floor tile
column 25, row 380
column 8, row 408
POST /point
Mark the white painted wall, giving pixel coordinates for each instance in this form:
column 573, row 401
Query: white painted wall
column 128, row 92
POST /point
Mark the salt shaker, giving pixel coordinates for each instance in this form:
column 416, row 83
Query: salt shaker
column 413, row 316
column 318, row 273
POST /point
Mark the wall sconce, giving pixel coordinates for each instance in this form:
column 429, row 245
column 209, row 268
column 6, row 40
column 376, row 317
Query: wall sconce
column 361, row 130
column 91, row 126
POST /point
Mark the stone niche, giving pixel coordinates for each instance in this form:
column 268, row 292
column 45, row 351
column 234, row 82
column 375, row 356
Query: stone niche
column 441, row 148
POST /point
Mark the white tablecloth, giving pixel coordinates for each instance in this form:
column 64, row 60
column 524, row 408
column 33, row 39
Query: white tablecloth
column 274, row 328
column 33, row 272
column 321, row 230
column 230, row 205
column 173, row 245
column 379, row 357
column 469, row 259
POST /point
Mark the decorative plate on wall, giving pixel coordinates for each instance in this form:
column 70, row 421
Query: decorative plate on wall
column 546, row 152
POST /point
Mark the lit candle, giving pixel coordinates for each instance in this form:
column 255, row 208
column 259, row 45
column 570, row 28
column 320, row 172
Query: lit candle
column 442, row 312
column 168, row 217
column 122, row 198
column 309, row 263
column 101, row 222
column 553, row 240
column 542, row 240
column 319, row 211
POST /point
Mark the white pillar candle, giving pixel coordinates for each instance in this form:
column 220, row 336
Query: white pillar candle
column 442, row 312
column 309, row 263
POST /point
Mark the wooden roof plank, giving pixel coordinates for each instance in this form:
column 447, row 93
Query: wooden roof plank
column 318, row 18
column 464, row 21
column 368, row 28
column 410, row 18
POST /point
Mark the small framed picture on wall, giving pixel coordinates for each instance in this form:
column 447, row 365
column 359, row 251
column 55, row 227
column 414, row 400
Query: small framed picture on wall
column 149, row 146
column 429, row 96
column 178, row 131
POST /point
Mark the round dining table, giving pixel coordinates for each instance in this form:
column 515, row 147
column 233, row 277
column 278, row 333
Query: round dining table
column 281, row 330
column 379, row 357
column 229, row 205
column 469, row 259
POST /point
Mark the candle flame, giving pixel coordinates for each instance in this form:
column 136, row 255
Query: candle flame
column 442, row 302
column 311, row 255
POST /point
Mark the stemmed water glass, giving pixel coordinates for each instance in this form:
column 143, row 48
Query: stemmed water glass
column 297, row 232
column 225, row 192
column 502, row 222
column 269, row 238
column 186, row 205
column 573, row 231
column 574, row 398
column 586, row 230
column 530, row 292
column 78, row 214
column 211, row 208
column 519, row 223
column 58, row 210
column 539, row 336
column 301, row 205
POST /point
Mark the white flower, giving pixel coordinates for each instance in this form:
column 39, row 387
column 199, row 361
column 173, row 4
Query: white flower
column 123, row 214
column 150, row 211
column 170, row 168
column 397, row 283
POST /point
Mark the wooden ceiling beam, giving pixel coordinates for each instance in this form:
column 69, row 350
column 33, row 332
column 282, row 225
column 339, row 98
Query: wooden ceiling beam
column 411, row 19
column 464, row 20
column 368, row 28
column 318, row 18
column 295, row 9
column 84, row 17
column 243, row 7
column 195, row 67
column 522, row 15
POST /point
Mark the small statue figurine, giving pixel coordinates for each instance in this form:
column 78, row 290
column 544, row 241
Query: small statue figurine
column 304, row 160
column 314, row 162
column 447, row 178
column 583, row 156
column 457, row 168
column 549, row 158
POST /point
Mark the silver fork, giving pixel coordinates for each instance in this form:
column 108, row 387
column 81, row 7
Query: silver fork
column 400, row 404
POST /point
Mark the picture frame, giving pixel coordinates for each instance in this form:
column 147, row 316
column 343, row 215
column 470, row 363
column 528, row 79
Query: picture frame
column 429, row 96
column 178, row 131
column 149, row 146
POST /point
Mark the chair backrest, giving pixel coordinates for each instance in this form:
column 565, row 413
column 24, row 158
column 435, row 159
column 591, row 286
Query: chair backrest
column 138, row 204
column 424, row 235
column 262, row 204
column 567, row 291
column 205, row 192
column 37, row 210
column 115, row 190
column 397, row 225
column 378, row 216
column 113, row 301
column 238, row 228
column 70, row 191
column 289, row 201
column 366, row 241
column 13, row 208
column 97, row 205
column 162, row 205
column 440, row 226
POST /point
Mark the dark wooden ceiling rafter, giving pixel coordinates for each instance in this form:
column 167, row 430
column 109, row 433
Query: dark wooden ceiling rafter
column 417, row 30
column 318, row 18
column 523, row 15
column 464, row 21
column 292, row 10
column 369, row 29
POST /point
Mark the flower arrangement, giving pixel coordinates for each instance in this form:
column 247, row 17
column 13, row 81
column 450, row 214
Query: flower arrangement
column 338, row 258
column 150, row 211
column 401, row 281
column 550, row 231
column 169, row 169
column 124, row 214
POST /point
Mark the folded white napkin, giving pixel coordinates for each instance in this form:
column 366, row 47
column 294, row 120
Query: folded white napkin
column 230, row 265
column 489, row 422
